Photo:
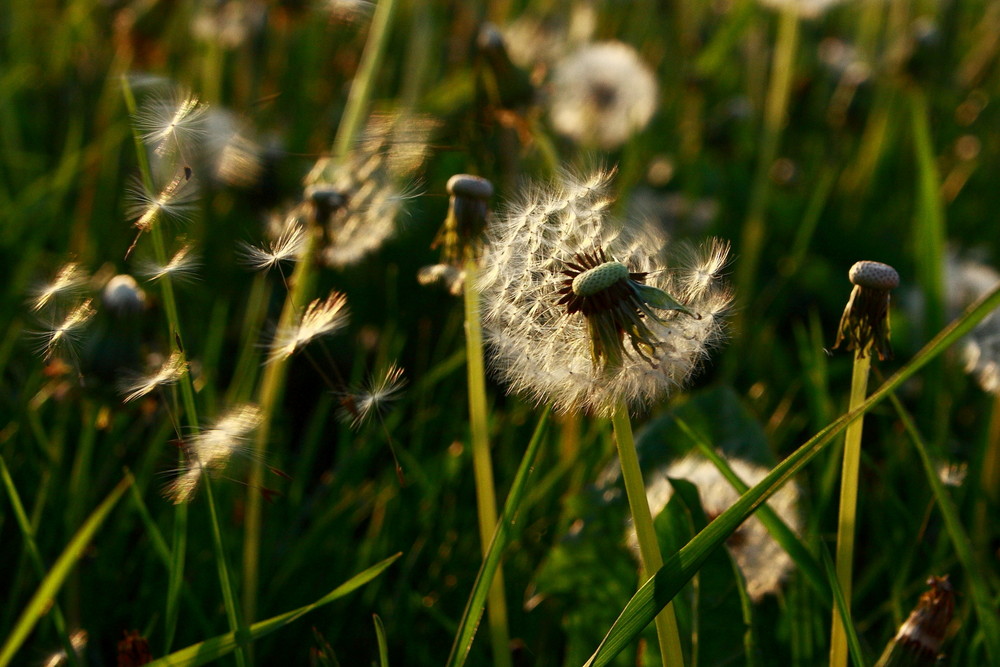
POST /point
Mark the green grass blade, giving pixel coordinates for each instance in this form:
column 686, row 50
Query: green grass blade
column 853, row 644
column 778, row 529
column 501, row 536
column 978, row 573
column 679, row 568
column 40, row 601
column 216, row 647
column 383, row 647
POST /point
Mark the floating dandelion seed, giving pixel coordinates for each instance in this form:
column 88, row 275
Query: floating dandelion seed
column 285, row 248
column 172, row 370
column 78, row 640
column 322, row 317
column 212, row 449
column 450, row 277
column 184, row 265
column 374, row 398
column 602, row 94
column 171, row 124
column 66, row 333
column 563, row 290
column 70, row 281
column 762, row 561
column 175, row 201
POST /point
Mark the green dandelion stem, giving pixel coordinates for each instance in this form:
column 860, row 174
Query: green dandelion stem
column 649, row 548
column 847, row 519
column 482, row 465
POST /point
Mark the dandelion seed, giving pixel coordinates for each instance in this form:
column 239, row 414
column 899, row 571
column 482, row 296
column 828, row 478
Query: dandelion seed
column 446, row 275
column 67, row 332
column 762, row 561
column 184, row 265
column 374, row 398
column 171, row 124
column 174, row 202
column 212, row 449
column 322, row 317
column 285, row 248
column 563, row 290
column 78, row 640
column 952, row 474
column 172, row 370
column 602, row 94
column 70, row 281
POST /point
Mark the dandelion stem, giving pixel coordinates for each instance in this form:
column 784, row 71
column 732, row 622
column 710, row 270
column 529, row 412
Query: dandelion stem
column 649, row 547
column 849, row 503
column 482, row 465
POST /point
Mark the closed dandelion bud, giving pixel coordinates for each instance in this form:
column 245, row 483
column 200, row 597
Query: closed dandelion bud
column 918, row 642
column 865, row 322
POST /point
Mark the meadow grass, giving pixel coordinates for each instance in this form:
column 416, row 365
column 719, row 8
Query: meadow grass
column 342, row 521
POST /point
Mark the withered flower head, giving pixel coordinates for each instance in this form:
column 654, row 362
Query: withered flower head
column 467, row 211
column 865, row 322
column 919, row 639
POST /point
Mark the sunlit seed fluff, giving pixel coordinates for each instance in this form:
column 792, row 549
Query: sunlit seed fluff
column 212, row 449
column 762, row 561
column 540, row 332
column 171, row 125
column 172, row 370
column 322, row 317
column 602, row 94
column 286, row 247
column 174, row 201
column 374, row 398
column 78, row 640
column 70, row 281
column 967, row 281
column 183, row 266
column 65, row 333
column 445, row 275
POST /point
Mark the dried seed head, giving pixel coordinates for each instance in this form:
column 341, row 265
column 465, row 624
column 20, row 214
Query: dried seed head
column 865, row 322
column 474, row 187
column 874, row 275
column 459, row 236
column 919, row 639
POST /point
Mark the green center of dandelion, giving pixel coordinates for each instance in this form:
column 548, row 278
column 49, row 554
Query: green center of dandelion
column 599, row 278
column 617, row 304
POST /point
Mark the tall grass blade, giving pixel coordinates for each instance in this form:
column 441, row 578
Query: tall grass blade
column 843, row 609
column 47, row 590
column 679, row 568
column 383, row 646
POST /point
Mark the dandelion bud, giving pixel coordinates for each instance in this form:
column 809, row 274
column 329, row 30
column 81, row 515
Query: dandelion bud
column 865, row 322
column 919, row 639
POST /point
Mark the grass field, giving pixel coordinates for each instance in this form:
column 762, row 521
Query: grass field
column 237, row 426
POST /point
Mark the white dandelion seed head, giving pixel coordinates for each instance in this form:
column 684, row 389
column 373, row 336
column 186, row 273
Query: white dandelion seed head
column 807, row 9
column 602, row 94
column 967, row 281
column 374, row 397
column 285, row 247
column 69, row 282
column 183, row 266
column 762, row 561
column 122, row 294
column 172, row 370
column 322, row 317
column 65, row 333
column 542, row 350
column 171, row 124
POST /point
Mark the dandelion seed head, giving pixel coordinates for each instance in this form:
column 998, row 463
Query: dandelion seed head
column 374, row 397
column 322, row 317
column 348, row 11
column 184, row 265
column 967, row 281
column 172, row 370
column 123, row 295
column 602, row 94
column 70, row 281
column 629, row 342
column 762, row 561
column 807, row 9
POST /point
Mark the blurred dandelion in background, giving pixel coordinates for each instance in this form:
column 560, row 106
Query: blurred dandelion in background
column 639, row 329
column 602, row 94
column 967, row 281
column 762, row 561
